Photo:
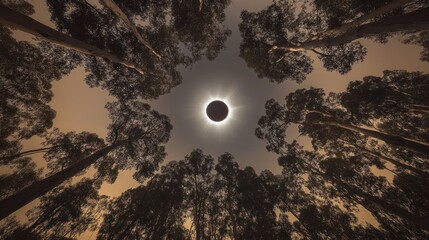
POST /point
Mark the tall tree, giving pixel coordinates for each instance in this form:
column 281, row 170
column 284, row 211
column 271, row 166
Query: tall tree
column 23, row 173
column 199, row 25
column 120, row 14
column 198, row 186
column 353, row 183
column 24, row 23
column 136, row 136
column 190, row 198
column 320, row 118
column 26, row 75
column 65, row 212
column 153, row 21
column 154, row 211
column 284, row 31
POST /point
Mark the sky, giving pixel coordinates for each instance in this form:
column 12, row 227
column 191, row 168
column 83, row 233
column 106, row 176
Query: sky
column 80, row 108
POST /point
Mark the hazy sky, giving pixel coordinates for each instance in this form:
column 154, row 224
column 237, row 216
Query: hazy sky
column 80, row 108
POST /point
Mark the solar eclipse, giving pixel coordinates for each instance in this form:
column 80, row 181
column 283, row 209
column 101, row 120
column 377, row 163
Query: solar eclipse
column 217, row 111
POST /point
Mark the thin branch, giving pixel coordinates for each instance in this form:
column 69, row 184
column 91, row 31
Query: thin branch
column 321, row 54
column 14, row 19
column 200, row 7
column 92, row 7
column 120, row 14
column 30, row 152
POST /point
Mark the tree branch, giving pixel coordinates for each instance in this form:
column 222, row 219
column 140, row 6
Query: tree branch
column 395, row 4
column 120, row 14
column 321, row 54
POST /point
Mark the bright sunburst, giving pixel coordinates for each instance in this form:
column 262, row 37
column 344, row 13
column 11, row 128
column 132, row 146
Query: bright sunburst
column 213, row 92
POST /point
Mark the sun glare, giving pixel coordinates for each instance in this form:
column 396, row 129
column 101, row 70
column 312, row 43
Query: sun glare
column 226, row 94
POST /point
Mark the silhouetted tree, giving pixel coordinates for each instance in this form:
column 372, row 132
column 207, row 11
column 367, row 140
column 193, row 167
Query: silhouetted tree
column 393, row 94
column 135, row 137
column 24, row 23
column 65, row 212
column 191, row 198
column 422, row 39
column 353, row 183
column 199, row 25
column 26, row 75
column 21, row 6
column 120, row 14
column 154, row 211
column 342, row 127
column 23, row 173
column 276, row 39
column 198, row 187
column 106, row 31
column 320, row 118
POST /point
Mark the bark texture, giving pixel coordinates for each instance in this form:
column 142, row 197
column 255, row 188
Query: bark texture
column 120, row 14
column 39, row 188
column 389, row 7
column 14, row 19
column 418, row 147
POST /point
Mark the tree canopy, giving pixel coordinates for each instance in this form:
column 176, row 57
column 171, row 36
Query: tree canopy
column 277, row 39
column 363, row 174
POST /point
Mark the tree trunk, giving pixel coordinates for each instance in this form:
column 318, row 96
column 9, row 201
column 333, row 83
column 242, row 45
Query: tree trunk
column 8, row 159
column 200, row 6
column 397, row 163
column 14, row 19
column 310, row 232
column 39, row 188
column 413, row 21
column 120, row 14
column 418, row 147
column 420, row 108
column 23, row 234
column 368, row 199
column 389, row 7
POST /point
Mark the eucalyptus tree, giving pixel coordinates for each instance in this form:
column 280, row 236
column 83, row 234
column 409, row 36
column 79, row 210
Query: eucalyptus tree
column 65, row 212
column 135, row 139
column 151, row 211
column 102, row 29
column 313, row 217
column 199, row 26
column 258, row 218
column 422, row 39
column 26, row 74
column 151, row 21
column 276, row 39
column 351, row 182
column 23, row 173
column 130, row 49
column 395, row 95
column 381, row 157
column 10, row 225
column 225, row 185
column 193, row 198
column 21, row 6
column 248, row 204
column 400, row 203
column 17, row 20
column 350, row 13
column 120, row 14
column 197, row 184
column 322, row 117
